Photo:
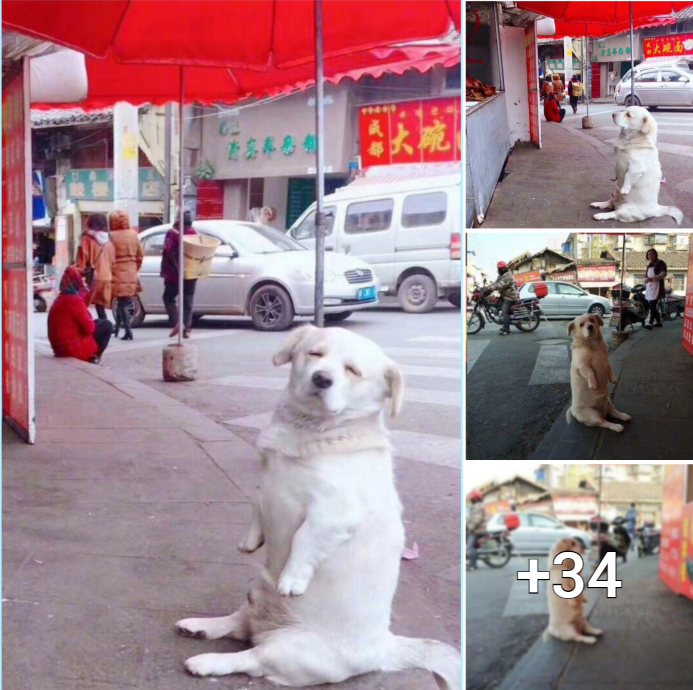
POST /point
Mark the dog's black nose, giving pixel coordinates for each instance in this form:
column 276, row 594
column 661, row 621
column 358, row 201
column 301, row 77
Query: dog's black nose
column 322, row 380
column 589, row 328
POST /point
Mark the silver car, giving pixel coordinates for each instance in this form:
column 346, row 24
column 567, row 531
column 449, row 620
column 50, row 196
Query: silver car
column 670, row 85
column 566, row 300
column 537, row 532
column 259, row 272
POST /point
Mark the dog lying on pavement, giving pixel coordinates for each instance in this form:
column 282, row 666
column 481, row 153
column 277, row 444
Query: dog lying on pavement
column 590, row 373
column 330, row 519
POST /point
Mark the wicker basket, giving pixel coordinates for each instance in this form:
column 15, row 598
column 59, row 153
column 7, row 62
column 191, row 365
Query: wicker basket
column 199, row 251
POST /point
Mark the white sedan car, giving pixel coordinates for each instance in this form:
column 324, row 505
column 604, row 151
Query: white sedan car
column 259, row 272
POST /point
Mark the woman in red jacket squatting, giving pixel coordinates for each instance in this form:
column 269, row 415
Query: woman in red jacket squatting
column 552, row 112
column 71, row 330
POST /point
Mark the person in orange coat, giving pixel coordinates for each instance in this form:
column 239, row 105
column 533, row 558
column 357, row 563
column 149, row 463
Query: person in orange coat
column 552, row 112
column 128, row 261
column 96, row 258
column 71, row 330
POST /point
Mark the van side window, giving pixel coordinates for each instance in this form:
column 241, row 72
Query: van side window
column 424, row 209
column 306, row 229
column 369, row 216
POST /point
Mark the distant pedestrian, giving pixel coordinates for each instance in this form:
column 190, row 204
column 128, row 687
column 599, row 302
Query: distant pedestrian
column 552, row 112
column 129, row 255
column 507, row 294
column 169, row 272
column 476, row 527
column 558, row 87
column 96, row 258
column 656, row 272
column 631, row 521
column 71, row 330
column 574, row 92
column 546, row 89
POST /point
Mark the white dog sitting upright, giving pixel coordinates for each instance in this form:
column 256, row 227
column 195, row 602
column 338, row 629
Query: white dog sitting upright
column 590, row 373
column 637, row 171
column 330, row 520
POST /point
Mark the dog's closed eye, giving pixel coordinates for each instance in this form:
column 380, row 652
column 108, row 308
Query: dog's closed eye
column 351, row 369
column 315, row 354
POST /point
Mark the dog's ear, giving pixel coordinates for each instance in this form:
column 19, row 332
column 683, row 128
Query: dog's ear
column 395, row 383
column 599, row 319
column 571, row 325
column 286, row 354
column 648, row 125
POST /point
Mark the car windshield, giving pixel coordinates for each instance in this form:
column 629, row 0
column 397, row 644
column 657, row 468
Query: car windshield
column 260, row 239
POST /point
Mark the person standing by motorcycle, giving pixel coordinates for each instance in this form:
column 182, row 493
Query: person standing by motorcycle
column 476, row 527
column 656, row 272
column 631, row 520
column 507, row 293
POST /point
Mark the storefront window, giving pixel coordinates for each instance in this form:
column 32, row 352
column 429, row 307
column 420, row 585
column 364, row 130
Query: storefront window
column 678, row 283
column 483, row 62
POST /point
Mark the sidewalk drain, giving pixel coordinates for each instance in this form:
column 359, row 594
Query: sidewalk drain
column 552, row 341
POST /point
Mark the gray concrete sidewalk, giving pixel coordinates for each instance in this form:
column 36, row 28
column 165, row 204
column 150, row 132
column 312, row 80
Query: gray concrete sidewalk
column 648, row 635
column 553, row 187
column 655, row 387
column 124, row 517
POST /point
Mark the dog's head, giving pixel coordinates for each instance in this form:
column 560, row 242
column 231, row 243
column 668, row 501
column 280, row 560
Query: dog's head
column 567, row 544
column 337, row 373
column 637, row 120
column 586, row 327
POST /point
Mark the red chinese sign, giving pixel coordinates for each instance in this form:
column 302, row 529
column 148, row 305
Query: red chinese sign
column 597, row 274
column 526, row 277
column 565, row 276
column 672, row 523
column 687, row 338
column 533, row 84
column 668, row 46
column 17, row 343
column 210, row 200
column 427, row 131
column 686, row 571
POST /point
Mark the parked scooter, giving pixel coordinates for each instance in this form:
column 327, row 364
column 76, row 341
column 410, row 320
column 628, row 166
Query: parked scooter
column 621, row 302
column 648, row 539
column 525, row 314
column 611, row 537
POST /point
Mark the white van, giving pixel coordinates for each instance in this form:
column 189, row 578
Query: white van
column 409, row 231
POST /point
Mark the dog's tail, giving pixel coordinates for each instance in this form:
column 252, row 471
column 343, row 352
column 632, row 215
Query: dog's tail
column 672, row 211
column 442, row 660
column 568, row 416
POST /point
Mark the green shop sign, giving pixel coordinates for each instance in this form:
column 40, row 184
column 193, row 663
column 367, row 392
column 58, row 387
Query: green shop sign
column 98, row 185
column 250, row 148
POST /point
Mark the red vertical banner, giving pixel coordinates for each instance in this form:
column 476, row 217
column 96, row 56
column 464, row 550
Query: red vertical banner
column 17, row 298
column 210, row 200
column 533, row 83
column 687, row 338
column 686, row 570
column 672, row 525
column 374, row 124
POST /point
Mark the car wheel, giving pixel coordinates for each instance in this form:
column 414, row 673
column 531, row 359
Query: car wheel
column 455, row 299
column 629, row 101
column 336, row 318
column 137, row 312
column 418, row 294
column 597, row 309
column 40, row 304
column 271, row 309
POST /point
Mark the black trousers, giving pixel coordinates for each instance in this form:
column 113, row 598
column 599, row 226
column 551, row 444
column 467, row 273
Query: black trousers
column 562, row 112
column 170, row 295
column 100, row 312
column 505, row 311
column 122, row 314
column 654, row 312
column 573, row 102
column 102, row 334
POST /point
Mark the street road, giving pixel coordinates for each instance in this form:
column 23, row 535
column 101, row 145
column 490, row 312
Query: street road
column 516, row 387
column 674, row 140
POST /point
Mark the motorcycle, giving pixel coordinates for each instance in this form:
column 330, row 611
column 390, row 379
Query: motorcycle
column 494, row 548
column 670, row 306
column 633, row 310
column 611, row 537
column 41, row 285
column 525, row 313
column 648, row 539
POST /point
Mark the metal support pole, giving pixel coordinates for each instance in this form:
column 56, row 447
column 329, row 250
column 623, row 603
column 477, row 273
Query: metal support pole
column 586, row 67
column 623, row 274
column 168, row 163
column 319, row 171
column 181, row 210
column 632, row 60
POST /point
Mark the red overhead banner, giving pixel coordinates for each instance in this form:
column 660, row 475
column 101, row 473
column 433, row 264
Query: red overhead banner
column 17, row 343
column 687, row 339
column 597, row 274
column 425, row 131
column 675, row 45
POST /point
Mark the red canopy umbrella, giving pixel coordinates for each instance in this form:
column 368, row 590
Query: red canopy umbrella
column 244, row 34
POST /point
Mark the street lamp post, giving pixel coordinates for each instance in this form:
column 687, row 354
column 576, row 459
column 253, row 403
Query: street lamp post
column 319, row 171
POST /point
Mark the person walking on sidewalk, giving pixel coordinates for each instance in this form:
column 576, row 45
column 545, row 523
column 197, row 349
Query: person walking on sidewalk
column 631, row 520
column 552, row 112
column 654, row 286
column 476, row 527
column 169, row 272
column 546, row 89
column 129, row 255
column 71, row 330
column 96, row 258
column 507, row 294
column 574, row 92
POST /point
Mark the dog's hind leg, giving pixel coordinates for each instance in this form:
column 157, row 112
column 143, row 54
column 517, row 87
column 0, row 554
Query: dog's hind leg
column 672, row 211
column 606, row 216
column 591, row 417
column 603, row 204
column 442, row 660
column 235, row 626
column 613, row 412
column 225, row 664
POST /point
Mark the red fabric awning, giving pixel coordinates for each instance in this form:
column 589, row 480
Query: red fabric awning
column 246, row 34
column 110, row 82
column 613, row 12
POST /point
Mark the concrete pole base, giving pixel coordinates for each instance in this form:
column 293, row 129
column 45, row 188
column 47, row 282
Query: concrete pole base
column 587, row 122
column 180, row 362
column 619, row 337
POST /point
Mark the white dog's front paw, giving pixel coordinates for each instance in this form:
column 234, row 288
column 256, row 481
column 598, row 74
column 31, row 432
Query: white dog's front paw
column 250, row 544
column 294, row 584
column 192, row 627
column 613, row 179
column 592, row 384
column 208, row 665
column 625, row 189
